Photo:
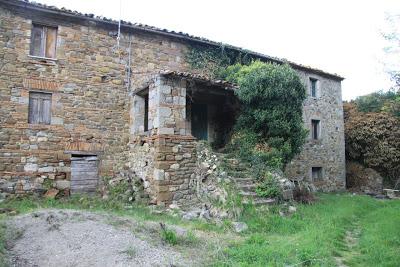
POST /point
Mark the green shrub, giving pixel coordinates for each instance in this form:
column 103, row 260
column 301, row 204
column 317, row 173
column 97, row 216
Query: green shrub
column 168, row 235
column 372, row 139
column 269, row 187
column 270, row 127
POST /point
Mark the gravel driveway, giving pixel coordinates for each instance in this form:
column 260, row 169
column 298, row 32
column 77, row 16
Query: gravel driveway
column 77, row 238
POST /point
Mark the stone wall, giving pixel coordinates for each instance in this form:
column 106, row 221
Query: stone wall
column 328, row 151
column 87, row 81
column 166, row 164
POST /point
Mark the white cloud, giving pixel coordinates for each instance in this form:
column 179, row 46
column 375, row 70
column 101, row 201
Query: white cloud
column 339, row 36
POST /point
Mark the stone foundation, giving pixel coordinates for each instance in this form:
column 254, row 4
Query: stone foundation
column 166, row 163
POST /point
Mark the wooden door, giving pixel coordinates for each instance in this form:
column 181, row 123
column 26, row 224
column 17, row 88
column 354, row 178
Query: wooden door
column 84, row 174
column 200, row 121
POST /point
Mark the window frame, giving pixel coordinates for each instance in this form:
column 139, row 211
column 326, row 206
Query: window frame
column 43, row 40
column 146, row 112
column 319, row 171
column 315, row 129
column 40, row 110
column 314, row 90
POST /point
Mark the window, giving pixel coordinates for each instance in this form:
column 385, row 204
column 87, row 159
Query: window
column 43, row 41
column 316, row 173
column 313, row 87
column 39, row 108
column 146, row 112
column 315, row 129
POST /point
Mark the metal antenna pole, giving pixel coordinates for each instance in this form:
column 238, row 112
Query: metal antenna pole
column 119, row 23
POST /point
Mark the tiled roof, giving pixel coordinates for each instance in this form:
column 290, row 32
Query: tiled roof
column 147, row 28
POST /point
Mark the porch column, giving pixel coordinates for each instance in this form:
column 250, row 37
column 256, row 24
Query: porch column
column 167, row 106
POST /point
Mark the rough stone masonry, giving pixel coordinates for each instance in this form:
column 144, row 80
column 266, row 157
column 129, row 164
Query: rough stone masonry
column 69, row 95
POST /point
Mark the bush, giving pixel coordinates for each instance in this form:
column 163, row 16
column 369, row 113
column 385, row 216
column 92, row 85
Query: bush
column 270, row 122
column 372, row 139
column 269, row 187
column 303, row 194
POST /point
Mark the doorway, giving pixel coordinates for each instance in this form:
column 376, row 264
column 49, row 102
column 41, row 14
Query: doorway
column 200, row 121
column 84, row 174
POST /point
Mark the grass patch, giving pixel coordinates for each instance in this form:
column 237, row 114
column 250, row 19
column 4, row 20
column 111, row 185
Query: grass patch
column 96, row 204
column 315, row 234
column 2, row 242
column 168, row 235
column 379, row 242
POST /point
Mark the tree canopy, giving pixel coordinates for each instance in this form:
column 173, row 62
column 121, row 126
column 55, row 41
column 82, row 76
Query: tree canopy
column 271, row 117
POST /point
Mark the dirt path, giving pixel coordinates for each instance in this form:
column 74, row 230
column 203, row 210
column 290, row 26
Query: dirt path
column 351, row 242
column 77, row 238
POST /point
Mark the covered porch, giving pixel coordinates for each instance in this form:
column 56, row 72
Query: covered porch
column 181, row 103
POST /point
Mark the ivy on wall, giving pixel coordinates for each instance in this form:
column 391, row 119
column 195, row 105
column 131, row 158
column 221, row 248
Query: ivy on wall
column 212, row 61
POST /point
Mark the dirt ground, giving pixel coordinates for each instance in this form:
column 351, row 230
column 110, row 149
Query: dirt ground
column 78, row 238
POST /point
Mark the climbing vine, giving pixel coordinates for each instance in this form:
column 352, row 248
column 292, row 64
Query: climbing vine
column 211, row 60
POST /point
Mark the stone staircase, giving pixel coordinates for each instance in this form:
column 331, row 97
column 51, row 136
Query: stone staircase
column 240, row 173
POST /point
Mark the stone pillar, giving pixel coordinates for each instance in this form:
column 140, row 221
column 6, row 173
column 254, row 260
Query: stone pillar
column 167, row 106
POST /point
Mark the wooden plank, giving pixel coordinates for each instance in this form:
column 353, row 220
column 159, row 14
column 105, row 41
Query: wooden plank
column 36, row 41
column 51, row 39
column 84, row 174
column 46, row 111
column 33, row 110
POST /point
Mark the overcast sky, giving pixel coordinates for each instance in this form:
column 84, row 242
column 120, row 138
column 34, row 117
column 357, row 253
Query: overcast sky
column 338, row 36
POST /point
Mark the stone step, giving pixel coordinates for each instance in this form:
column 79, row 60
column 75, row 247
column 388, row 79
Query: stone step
column 264, row 201
column 260, row 201
column 247, row 187
column 248, row 194
column 238, row 173
column 243, row 180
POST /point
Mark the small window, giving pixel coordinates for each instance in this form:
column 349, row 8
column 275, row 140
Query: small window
column 39, row 108
column 313, row 87
column 315, row 129
column 316, row 173
column 43, row 41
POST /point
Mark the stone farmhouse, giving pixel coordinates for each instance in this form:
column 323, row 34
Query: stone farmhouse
column 76, row 104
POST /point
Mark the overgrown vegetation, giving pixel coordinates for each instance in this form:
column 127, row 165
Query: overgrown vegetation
column 388, row 101
column 2, row 243
column 269, row 187
column 372, row 139
column 168, row 235
column 269, row 130
column 270, row 122
column 212, row 61
column 315, row 235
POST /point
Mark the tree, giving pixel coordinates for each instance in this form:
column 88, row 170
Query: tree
column 270, row 121
column 372, row 139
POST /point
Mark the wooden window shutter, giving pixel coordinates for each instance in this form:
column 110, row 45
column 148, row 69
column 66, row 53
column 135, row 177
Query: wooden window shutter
column 39, row 108
column 36, row 41
column 51, row 39
column 43, row 41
